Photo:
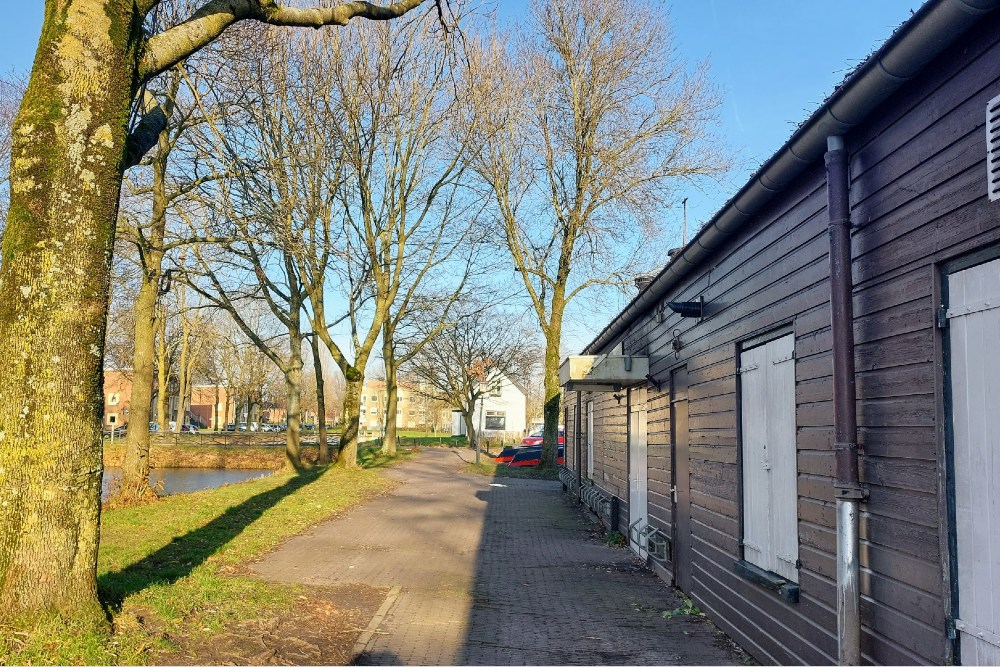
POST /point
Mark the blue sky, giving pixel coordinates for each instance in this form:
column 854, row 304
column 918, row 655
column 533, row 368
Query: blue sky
column 774, row 60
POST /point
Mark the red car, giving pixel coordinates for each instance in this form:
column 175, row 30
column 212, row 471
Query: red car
column 532, row 456
column 506, row 454
column 536, row 437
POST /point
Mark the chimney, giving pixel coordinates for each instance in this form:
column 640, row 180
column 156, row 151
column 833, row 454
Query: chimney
column 642, row 280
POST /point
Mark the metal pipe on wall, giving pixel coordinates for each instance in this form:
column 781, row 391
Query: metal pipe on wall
column 847, row 487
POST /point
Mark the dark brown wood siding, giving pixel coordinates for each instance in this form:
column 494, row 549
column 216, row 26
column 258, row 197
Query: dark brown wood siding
column 918, row 199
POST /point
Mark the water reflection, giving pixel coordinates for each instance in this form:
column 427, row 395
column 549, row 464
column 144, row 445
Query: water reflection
column 185, row 480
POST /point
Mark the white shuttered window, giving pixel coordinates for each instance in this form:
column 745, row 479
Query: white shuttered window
column 770, row 493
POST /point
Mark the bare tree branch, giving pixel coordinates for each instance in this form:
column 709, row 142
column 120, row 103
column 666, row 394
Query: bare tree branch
column 168, row 48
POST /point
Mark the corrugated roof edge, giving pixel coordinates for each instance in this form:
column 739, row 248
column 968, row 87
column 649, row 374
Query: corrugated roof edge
column 931, row 29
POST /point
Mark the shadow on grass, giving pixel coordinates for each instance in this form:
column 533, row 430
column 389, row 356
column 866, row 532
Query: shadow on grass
column 371, row 456
column 183, row 554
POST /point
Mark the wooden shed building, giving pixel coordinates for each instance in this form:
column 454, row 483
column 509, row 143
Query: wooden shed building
column 716, row 419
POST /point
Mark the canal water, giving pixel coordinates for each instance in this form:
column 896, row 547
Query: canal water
column 185, row 480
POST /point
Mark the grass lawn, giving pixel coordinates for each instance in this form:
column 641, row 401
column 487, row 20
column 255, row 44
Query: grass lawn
column 175, row 566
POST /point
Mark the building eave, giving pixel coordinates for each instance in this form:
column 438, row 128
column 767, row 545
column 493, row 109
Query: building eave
column 932, row 29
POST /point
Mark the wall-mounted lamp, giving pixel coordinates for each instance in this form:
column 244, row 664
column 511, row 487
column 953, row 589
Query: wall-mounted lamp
column 618, row 397
column 689, row 308
column 676, row 344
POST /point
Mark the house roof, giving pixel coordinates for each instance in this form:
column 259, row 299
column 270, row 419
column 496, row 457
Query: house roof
column 931, row 29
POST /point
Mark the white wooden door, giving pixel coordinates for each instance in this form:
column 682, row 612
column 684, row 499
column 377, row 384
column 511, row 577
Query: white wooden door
column 638, row 508
column 770, row 489
column 974, row 335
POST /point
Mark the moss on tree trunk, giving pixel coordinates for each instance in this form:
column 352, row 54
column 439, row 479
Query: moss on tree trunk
column 135, row 466
column 348, row 454
column 321, row 438
column 391, row 394
column 66, row 170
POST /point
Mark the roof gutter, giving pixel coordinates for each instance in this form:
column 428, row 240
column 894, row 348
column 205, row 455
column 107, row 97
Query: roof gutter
column 932, row 29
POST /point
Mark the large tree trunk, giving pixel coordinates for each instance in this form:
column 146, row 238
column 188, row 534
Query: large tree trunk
column 323, row 444
column 293, row 392
column 65, row 180
column 135, row 466
column 470, row 427
column 348, row 451
column 391, row 393
column 553, row 390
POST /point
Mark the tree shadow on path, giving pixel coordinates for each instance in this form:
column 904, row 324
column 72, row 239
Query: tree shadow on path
column 183, row 554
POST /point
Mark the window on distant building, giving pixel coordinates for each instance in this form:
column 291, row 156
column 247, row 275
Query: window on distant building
column 496, row 420
column 496, row 389
column 767, row 444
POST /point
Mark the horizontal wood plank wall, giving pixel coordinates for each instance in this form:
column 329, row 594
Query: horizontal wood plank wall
column 659, row 478
column 918, row 198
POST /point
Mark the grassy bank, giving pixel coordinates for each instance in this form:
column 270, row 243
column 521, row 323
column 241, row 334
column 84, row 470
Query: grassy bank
column 173, row 569
column 232, row 457
column 250, row 457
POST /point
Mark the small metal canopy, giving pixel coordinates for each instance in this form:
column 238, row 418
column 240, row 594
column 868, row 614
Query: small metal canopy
column 602, row 372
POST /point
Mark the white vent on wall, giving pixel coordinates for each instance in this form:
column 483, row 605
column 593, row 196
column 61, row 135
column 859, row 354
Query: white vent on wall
column 993, row 148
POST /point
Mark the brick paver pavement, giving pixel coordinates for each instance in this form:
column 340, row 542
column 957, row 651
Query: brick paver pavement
column 493, row 571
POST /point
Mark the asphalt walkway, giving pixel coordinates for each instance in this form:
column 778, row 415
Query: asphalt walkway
column 493, row 571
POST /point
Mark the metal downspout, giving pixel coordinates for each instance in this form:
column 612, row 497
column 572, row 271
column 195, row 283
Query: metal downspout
column 847, row 487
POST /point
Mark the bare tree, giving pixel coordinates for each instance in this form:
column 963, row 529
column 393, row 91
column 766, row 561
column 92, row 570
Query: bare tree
column 588, row 125
column 174, row 174
column 401, row 192
column 461, row 363
column 319, row 391
column 72, row 142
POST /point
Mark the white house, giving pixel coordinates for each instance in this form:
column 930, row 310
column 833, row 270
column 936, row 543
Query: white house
column 502, row 410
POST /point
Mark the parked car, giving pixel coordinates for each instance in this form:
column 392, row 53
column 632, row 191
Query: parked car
column 230, row 426
column 507, row 453
column 532, row 456
column 535, row 437
column 242, row 426
column 189, row 428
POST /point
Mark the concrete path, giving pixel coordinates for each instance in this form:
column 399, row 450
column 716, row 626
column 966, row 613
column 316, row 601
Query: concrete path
column 493, row 571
